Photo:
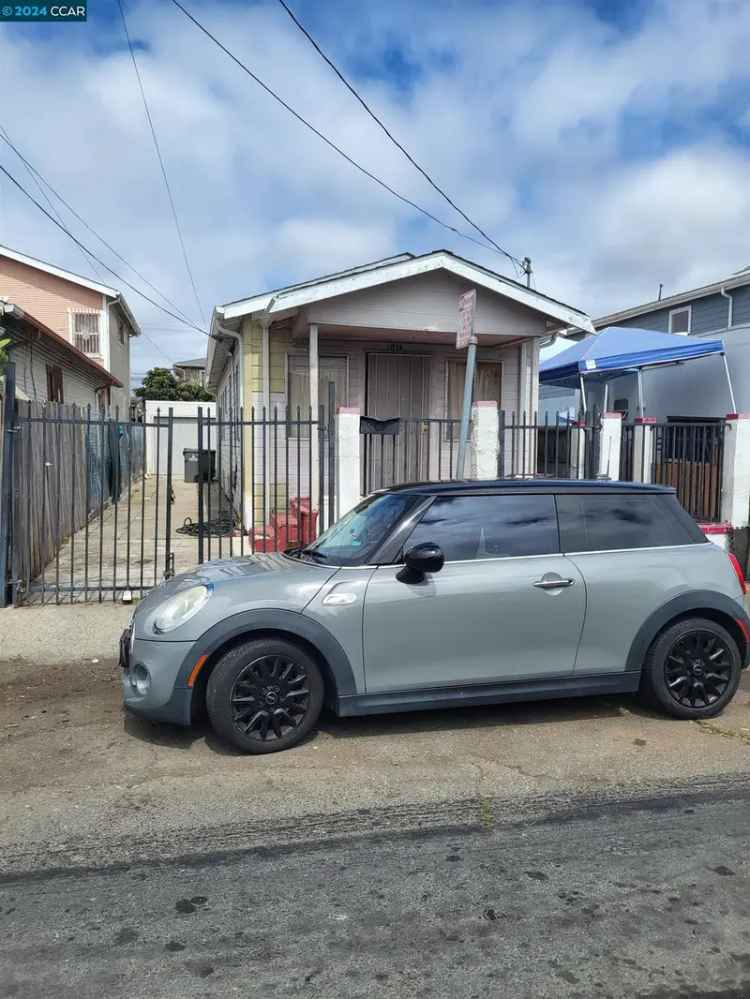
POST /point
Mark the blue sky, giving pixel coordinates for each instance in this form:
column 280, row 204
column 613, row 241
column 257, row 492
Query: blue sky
column 609, row 141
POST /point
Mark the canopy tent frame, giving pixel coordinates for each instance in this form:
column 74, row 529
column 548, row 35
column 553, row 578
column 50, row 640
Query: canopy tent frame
column 603, row 358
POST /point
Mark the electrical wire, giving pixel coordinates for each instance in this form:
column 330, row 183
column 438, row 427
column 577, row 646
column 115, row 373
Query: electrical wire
column 6, row 138
column 36, row 174
column 394, row 140
column 161, row 163
column 114, row 273
column 324, row 138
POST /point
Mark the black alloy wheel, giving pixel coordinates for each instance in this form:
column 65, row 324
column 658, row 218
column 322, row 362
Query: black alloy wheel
column 698, row 669
column 692, row 669
column 270, row 697
column 265, row 694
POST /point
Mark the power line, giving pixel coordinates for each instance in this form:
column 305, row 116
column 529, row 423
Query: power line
column 6, row 138
column 77, row 241
column 35, row 173
column 392, row 137
column 324, row 138
column 161, row 163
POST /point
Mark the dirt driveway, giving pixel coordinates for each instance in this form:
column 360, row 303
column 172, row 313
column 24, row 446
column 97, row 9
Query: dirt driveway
column 81, row 782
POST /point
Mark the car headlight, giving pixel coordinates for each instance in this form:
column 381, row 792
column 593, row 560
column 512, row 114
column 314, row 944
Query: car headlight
column 180, row 608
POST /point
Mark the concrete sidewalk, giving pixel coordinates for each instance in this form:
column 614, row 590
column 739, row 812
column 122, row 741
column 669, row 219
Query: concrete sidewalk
column 64, row 635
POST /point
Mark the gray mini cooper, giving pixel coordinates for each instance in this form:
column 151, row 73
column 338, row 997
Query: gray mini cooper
column 440, row 594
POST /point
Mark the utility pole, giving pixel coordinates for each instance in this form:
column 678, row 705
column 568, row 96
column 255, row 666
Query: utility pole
column 526, row 268
column 660, row 290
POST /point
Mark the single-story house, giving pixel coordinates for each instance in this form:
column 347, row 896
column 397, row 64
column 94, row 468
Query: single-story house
column 383, row 334
column 50, row 368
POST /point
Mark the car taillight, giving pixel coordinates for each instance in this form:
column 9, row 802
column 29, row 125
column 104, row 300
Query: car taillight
column 738, row 570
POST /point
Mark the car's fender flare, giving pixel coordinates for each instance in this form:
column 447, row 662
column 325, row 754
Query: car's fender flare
column 694, row 600
column 272, row 619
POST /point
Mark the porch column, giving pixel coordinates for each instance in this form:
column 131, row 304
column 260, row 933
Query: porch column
column 348, row 468
column 265, row 355
column 643, row 448
column 314, row 431
column 610, row 437
column 483, row 444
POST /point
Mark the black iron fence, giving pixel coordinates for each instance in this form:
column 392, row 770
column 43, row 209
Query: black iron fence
column 103, row 508
column 563, row 448
column 407, row 450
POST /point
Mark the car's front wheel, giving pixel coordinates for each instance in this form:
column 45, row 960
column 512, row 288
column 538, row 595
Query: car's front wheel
column 264, row 695
column 692, row 669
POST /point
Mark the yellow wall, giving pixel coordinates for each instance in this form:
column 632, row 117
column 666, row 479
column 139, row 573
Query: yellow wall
column 279, row 344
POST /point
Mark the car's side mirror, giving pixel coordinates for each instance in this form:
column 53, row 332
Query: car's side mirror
column 419, row 560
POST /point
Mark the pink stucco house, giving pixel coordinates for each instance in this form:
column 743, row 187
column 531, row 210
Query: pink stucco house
column 92, row 317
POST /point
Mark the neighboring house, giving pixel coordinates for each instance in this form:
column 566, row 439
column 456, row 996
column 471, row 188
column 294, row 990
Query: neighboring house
column 384, row 335
column 48, row 367
column 191, row 372
column 92, row 317
column 720, row 310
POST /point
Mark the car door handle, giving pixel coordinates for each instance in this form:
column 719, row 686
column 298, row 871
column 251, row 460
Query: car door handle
column 552, row 584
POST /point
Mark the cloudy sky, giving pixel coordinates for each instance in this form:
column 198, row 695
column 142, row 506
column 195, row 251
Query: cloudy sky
column 609, row 140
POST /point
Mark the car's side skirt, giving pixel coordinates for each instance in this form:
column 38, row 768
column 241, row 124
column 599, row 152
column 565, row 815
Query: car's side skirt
column 488, row 693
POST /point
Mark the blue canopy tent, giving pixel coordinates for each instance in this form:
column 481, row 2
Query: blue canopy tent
column 619, row 350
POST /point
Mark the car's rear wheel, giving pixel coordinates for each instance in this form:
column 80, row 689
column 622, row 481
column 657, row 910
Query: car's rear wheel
column 692, row 669
column 264, row 695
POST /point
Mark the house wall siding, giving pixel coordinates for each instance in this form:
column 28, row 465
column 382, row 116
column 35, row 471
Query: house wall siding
column 741, row 308
column 79, row 388
column 46, row 297
column 119, row 358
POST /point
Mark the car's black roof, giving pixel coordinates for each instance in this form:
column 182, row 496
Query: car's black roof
column 528, row 486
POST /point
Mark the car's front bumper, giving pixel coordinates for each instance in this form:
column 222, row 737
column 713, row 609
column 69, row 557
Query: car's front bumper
column 168, row 699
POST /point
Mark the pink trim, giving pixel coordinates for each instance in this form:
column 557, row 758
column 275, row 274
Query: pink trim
column 613, row 416
column 351, row 410
column 715, row 528
column 737, row 416
column 486, row 403
column 640, row 420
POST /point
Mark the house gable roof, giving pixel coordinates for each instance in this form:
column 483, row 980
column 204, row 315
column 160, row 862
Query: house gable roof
column 396, row 268
column 736, row 280
column 102, row 289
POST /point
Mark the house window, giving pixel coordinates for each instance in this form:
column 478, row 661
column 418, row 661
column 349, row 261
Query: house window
column 330, row 369
column 54, row 383
column 488, row 379
column 121, row 331
column 679, row 320
column 86, row 331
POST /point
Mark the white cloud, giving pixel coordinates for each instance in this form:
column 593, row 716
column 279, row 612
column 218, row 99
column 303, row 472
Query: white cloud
column 519, row 111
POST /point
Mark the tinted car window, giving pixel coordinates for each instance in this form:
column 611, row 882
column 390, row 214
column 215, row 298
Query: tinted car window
column 471, row 527
column 593, row 523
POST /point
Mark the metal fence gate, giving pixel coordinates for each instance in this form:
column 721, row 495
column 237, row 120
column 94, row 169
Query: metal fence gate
column 88, row 521
column 684, row 454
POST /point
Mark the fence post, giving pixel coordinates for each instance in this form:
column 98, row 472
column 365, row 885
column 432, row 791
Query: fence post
column 348, row 471
column 577, row 456
column 6, row 479
column 643, row 448
column 735, row 479
column 483, row 443
column 610, row 437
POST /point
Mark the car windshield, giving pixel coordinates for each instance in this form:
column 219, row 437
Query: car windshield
column 355, row 538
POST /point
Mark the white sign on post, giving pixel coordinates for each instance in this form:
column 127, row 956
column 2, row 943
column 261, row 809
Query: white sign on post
column 467, row 304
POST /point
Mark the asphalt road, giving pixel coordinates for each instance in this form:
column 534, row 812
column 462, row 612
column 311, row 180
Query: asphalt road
column 585, row 897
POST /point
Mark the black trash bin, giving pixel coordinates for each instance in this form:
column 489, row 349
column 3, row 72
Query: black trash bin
column 199, row 464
